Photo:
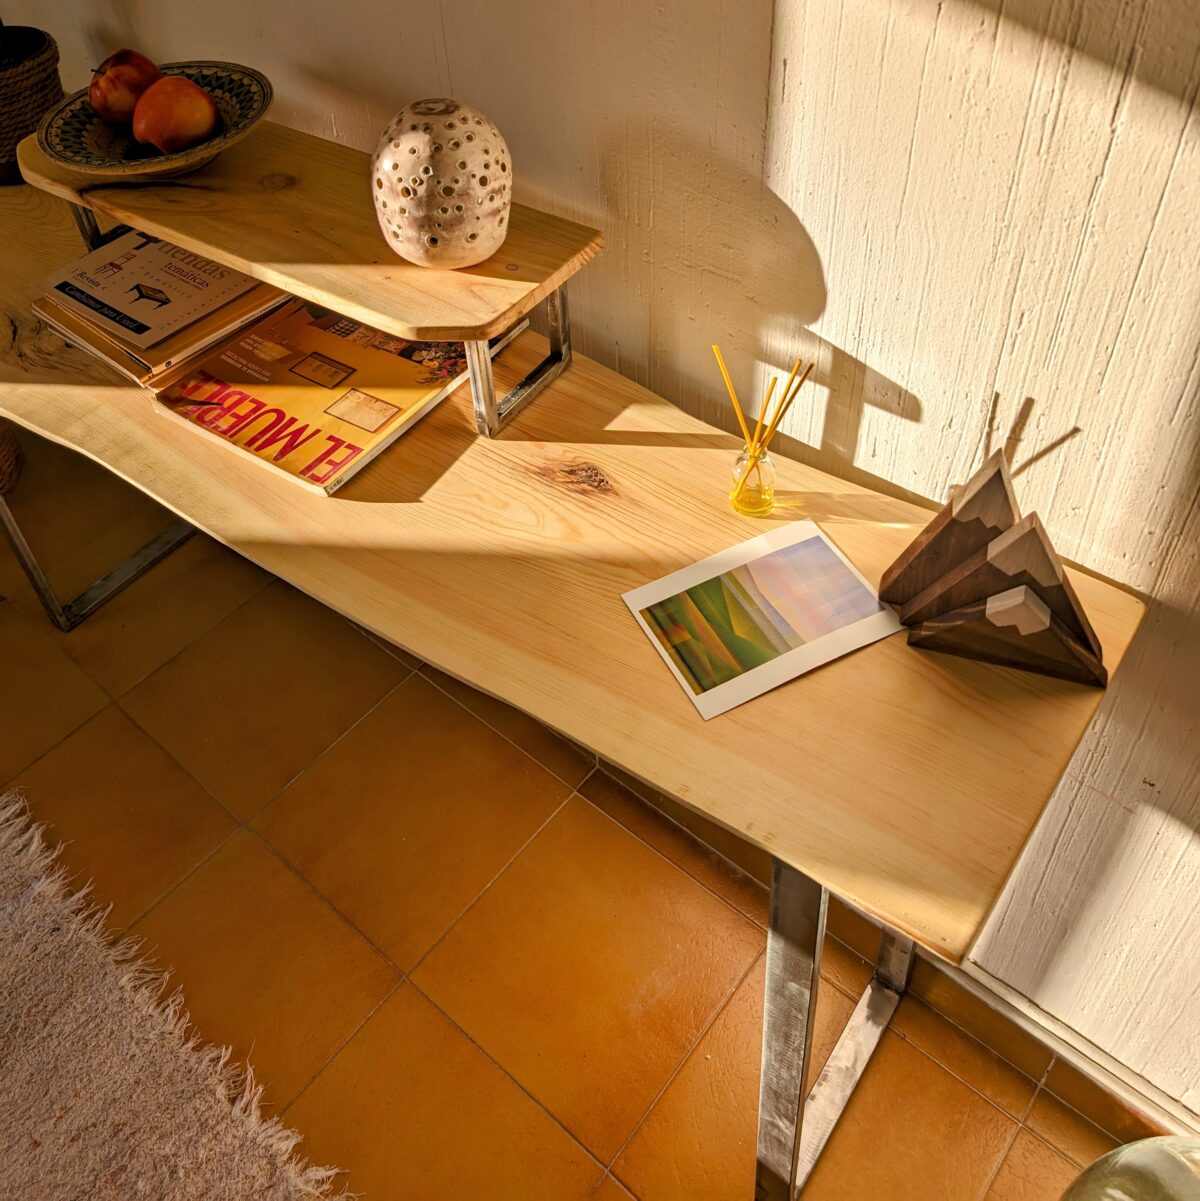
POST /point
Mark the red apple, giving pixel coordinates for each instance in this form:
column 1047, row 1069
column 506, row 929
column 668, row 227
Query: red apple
column 175, row 113
column 118, row 82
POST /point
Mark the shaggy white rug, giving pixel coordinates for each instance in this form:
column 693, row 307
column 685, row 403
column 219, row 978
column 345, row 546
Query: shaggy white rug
column 103, row 1092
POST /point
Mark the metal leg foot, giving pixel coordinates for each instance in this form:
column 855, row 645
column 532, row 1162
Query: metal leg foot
column 67, row 615
column 792, row 1129
column 492, row 415
column 849, row 1058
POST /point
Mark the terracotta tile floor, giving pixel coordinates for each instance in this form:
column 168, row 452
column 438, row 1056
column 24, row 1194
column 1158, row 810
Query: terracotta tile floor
column 463, row 961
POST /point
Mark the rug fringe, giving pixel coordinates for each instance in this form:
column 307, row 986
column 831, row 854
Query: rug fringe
column 21, row 836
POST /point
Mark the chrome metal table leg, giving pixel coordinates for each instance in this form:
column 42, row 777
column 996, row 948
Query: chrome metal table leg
column 849, row 1058
column 89, row 229
column 68, row 614
column 795, row 934
column 31, row 567
column 492, row 415
column 792, row 1129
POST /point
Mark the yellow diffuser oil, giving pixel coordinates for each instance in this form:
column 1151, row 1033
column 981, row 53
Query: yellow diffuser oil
column 753, row 492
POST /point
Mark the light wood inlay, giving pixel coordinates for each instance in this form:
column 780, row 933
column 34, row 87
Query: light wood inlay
column 296, row 211
column 905, row 782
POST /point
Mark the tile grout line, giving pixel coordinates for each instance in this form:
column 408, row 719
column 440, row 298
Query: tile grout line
column 510, row 1077
column 1043, row 1087
column 387, row 996
column 500, row 733
column 402, row 976
column 405, row 977
column 262, row 808
column 115, row 702
column 1018, row 1126
column 693, row 836
column 128, row 930
column 1039, row 1082
column 962, row 1080
column 666, row 858
column 74, row 729
column 1035, row 1081
column 390, row 648
column 273, row 579
column 500, row 871
column 65, row 634
column 240, row 823
column 153, row 740
column 196, row 637
column 683, row 1061
column 974, row 1037
column 291, row 867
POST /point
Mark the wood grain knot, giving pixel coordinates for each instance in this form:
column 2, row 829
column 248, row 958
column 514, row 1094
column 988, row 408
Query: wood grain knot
column 28, row 344
column 584, row 478
column 277, row 181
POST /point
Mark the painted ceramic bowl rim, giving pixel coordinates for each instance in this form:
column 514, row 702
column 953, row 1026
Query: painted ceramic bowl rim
column 193, row 156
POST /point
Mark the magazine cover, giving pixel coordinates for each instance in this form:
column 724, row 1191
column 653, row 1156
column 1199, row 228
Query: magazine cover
column 145, row 365
column 752, row 617
column 144, row 289
column 314, row 394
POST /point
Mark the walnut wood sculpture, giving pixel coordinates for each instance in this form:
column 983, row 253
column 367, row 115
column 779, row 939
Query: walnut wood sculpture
column 984, row 508
column 1020, row 555
column 982, row 582
column 1014, row 628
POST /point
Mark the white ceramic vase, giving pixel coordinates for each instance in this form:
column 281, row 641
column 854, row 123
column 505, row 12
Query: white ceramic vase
column 441, row 179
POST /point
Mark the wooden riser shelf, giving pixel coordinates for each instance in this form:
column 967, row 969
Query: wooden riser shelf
column 296, row 211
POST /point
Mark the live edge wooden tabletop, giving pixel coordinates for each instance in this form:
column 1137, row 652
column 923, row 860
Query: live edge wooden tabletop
column 296, row 211
column 904, row 781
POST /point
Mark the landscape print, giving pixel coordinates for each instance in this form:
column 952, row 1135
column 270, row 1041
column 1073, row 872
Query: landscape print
column 721, row 628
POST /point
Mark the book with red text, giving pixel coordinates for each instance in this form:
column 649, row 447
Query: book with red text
column 314, row 395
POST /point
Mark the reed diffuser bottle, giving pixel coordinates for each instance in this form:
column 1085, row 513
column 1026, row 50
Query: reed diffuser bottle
column 753, row 493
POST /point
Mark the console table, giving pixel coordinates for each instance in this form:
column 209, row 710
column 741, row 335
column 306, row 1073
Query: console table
column 902, row 781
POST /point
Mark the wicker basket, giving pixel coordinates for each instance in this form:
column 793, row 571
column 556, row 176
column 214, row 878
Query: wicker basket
column 10, row 457
column 29, row 88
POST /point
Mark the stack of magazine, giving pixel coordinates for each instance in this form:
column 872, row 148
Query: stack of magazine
column 303, row 390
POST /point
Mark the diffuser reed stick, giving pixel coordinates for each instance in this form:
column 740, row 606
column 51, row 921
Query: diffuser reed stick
column 756, row 445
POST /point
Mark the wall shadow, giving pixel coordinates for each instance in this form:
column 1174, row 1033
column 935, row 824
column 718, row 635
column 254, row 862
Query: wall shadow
column 767, row 272
column 1142, row 753
column 1154, row 43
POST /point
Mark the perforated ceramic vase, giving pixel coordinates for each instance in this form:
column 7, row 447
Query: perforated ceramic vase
column 442, row 182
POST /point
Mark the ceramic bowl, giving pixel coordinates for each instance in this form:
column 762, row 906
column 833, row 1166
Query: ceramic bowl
column 75, row 136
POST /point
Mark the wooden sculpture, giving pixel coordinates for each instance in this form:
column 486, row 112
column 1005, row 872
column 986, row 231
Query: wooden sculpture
column 982, row 582
column 1015, row 628
column 984, row 508
column 1021, row 555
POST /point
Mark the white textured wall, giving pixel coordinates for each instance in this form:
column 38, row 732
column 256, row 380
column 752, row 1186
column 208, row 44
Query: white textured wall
column 981, row 217
column 1098, row 925
column 1008, row 212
